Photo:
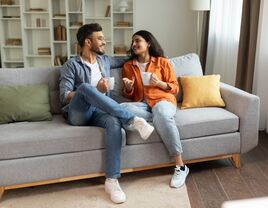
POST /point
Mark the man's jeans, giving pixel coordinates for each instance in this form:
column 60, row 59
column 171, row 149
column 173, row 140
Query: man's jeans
column 162, row 115
column 91, row 107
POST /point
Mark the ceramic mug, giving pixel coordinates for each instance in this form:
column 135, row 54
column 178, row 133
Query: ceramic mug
column 146, row 78
column 110, row 83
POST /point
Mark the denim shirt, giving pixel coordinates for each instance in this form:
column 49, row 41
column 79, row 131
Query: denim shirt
column 75, row 72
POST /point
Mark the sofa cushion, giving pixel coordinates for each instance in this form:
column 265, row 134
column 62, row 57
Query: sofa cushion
column 33, row 76
column 26, row 139
column 201, row 91
column 196, row 122
column 24, row 103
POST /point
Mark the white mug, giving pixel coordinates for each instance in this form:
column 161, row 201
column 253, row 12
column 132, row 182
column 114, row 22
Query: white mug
column 146, row 78
column 110, row 83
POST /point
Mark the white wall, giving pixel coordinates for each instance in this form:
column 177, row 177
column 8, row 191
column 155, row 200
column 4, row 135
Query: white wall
column 260, row 83
column 171, row 22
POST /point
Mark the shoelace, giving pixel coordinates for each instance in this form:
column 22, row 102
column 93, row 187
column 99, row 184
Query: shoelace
column 177, row 172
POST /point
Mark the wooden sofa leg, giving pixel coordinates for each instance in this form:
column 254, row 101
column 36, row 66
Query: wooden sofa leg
column 1, row 191
column 236, row 160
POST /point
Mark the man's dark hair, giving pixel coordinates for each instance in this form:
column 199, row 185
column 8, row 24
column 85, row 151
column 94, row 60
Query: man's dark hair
column 85, row 32
column 155, row 49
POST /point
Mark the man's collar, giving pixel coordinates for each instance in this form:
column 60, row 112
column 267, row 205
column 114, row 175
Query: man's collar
column 80, row 59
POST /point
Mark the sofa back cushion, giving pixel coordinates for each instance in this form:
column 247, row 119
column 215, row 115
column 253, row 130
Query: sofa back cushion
column 187, row 65
column 33, row 76
column 118, row 86
column 183, row 65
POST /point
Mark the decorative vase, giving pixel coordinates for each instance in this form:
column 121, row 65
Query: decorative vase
column 123, row 5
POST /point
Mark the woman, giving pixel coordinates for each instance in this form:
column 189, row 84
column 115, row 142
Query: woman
column 156, row 100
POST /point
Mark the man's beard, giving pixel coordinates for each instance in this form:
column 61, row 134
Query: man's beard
column 97, row 51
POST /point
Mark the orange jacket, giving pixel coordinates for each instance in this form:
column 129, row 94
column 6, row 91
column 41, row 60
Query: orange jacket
column 151, row 94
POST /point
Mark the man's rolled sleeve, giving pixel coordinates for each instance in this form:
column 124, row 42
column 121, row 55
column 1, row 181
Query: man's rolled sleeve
column 67, row 78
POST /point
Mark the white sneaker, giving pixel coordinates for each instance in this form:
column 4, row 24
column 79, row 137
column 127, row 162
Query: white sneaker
column 113, row 188
column 179, row 177
column 142, row 127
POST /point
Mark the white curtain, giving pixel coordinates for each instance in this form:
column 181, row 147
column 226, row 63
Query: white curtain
column 260, row 84
column 223, row 40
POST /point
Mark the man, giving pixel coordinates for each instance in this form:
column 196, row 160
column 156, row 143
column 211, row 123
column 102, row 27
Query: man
column 83, row 90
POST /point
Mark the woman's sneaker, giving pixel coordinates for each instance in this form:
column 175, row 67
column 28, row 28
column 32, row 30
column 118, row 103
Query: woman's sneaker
column 179, row 177
column 113, row 188
column 144, row 128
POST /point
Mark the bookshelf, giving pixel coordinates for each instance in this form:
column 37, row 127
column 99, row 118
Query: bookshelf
column 11, row 35
column 122, row 27
column 37, row 33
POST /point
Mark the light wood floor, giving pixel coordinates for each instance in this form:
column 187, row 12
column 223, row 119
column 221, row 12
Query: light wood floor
column 211, row 183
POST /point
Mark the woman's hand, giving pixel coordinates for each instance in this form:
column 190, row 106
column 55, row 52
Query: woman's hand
column 158, row 83
column 154, row 80
column 129, row 83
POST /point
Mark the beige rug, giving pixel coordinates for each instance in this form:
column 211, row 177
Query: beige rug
column 147, row 189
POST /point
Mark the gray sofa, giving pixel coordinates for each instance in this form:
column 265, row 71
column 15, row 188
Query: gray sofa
column 36, row 153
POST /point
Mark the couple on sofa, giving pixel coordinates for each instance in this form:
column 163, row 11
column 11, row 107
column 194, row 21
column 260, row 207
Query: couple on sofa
column 84, row 94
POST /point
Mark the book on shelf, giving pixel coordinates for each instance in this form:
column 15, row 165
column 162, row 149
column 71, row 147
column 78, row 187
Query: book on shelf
column 108, row 11
column 122, row 24
column 44, row 51
column 59, row 15
column 11, row 16
column 76, row 24
column 60, row 33
column 57, row 32
column 63, row 33
column 13, row 41
column 43, row 23
column 37, row 10
column 60, row 60
column 6, row 2
column 120, row 49
column 38, row 22
column 77, row 48
column 57, row 61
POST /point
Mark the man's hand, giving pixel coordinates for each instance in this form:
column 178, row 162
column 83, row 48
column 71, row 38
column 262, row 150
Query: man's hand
column 70, row 96
column 129, row 83
column 103, row 85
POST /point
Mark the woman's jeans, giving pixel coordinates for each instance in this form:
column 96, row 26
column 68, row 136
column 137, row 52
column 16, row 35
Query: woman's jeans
column 89, row 107
column 162, row 115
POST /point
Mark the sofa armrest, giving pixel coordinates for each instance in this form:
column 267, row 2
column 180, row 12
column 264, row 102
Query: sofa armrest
column 247, row 107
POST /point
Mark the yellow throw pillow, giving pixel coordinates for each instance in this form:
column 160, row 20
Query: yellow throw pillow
column 201, row 91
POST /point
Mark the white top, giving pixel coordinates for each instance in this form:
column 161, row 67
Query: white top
column 142, row 66
column 95, row 72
